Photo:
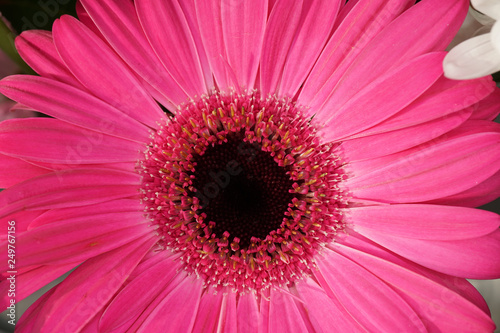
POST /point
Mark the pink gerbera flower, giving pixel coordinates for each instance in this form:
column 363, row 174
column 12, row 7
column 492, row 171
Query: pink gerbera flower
column 251, row 166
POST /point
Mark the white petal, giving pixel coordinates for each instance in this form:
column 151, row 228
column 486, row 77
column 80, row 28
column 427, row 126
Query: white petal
column 495, row 36
column 488, row 7
column 480, row 17
column 468, row 29
column 471, row 59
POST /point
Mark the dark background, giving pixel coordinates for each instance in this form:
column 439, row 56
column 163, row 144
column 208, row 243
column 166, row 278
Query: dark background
column 35, row 14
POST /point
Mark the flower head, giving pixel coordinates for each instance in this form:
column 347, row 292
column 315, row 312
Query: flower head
column 239, row 166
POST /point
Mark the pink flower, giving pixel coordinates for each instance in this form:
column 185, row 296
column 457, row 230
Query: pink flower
column 251, row 166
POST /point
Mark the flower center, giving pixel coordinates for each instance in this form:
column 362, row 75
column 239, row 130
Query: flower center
column 242, row 189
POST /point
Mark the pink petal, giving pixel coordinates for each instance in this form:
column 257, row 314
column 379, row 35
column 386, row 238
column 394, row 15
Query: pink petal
column 185, row 294
column 449, row 312
column 73, row 106
column 368, row 299
column 149, row 260
column 345, row 9
column 14, row 170
column 284, row 315
column 382, row 144
column 280, row 32
column 209, row 312
column 122, row 166
column 87, row 289
column 460, row 286
column 359, row 23
column 38, row 50
column 81, row 50
column 306, row 318
column 327, row 314
column 29, row 282
column 27, row 322
column 469, row 127
column 476, row 196
column 488, row 108
column 469, row 258
column 444, row 98
column 93, row 325
column 228, row 319
column 272, row 3
column 262, row 321
column 189, row 9
column 39, row 139
column 406, row 38
column 84, row 17
column 430, row 222
column 19, row 106
column 175, row 48
column 79, row 238
column 248, row 316
column 69, row 188
column 108, row 207
column 381, row 98
column 118, row 22
column 139, row 293
column 23, row 219
column 135, row 322
column 314, row 29
column 243, row 26
column 208, row 13
column 464, row 288
column 449, row 165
